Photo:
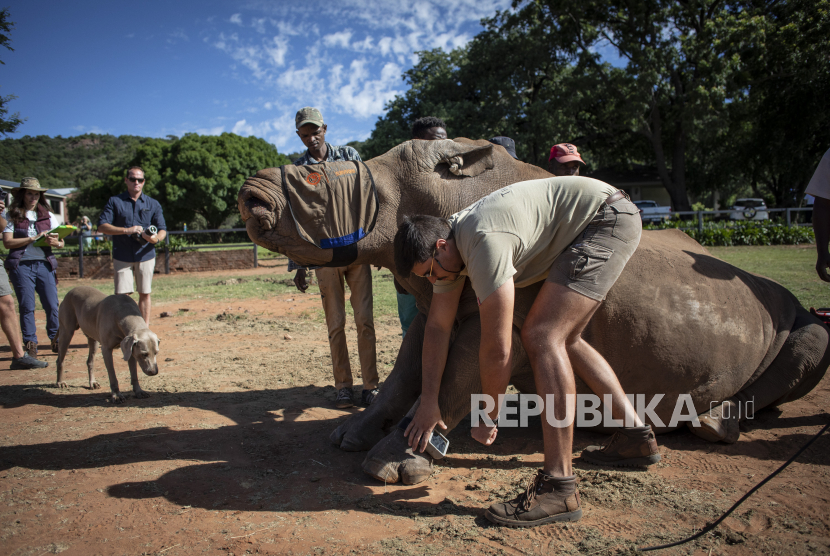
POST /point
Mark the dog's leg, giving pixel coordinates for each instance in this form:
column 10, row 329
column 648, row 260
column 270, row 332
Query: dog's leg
column 64, row 339
column 116, row 396
column 93, row 345
column 139, row 393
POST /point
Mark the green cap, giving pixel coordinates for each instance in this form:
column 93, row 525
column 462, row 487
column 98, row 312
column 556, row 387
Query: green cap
column 308, row 115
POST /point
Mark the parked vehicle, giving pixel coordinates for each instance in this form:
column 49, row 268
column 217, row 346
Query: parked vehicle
column 749, row 209
column 650, row 211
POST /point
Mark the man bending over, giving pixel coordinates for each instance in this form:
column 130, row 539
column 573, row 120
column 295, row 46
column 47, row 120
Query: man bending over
column 576, row 234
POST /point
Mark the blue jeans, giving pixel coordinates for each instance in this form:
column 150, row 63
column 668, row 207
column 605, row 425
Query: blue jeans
column 407, row 311
column 30, row 277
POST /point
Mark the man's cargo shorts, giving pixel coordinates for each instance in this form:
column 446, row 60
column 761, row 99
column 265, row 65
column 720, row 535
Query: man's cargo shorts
column 596, row 258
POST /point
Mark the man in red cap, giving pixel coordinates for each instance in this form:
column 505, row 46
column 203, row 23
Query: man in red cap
column 564, row 160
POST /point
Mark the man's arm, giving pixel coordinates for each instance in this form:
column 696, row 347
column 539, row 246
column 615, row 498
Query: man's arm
column 157, row 220
column 495, row 355
column 437, row 333
column 821, row 226
column 106, row 226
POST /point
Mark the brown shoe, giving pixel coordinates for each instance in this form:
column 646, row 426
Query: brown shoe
column 547, row 499
column 628, row 447
column 54, row 344
column 31, row 349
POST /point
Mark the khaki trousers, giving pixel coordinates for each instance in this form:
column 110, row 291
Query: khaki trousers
column 359, row 278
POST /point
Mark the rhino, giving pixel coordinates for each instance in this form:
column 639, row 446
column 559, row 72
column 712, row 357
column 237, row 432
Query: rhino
column 678, row 322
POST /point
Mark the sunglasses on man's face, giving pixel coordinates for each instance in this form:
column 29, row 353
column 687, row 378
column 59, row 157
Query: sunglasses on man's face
column 428, row 274
column 136, row 180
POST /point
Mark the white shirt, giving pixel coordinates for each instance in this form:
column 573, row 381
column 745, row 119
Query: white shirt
column 819, row 185
column 32, row 253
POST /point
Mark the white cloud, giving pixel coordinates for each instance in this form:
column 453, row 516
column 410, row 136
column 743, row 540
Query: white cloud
column 177, row 35
column 278, row 131
column 90, row 129
column 218, row 130
column 259, row 25
column 340, row 39
column 364, row 97
column 277, row 50
column 346, row 58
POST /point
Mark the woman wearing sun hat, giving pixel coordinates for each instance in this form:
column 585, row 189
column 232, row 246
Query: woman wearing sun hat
column 32, row 269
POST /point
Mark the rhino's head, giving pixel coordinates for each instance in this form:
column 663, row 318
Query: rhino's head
column 416, row 177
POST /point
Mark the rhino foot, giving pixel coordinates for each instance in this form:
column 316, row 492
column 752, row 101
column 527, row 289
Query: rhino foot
column 720, row 424
column 392, row 460
column 359, row 433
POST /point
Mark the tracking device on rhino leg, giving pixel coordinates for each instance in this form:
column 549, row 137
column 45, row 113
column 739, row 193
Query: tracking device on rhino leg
column 438, row 444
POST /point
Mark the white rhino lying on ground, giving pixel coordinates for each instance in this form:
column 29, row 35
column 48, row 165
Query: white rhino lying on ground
column 678, row 321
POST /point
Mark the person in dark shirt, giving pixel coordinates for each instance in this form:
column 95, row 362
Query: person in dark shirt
column 136, row 223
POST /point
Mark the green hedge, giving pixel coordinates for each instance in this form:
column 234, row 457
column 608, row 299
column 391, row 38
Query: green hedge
column 727, row 234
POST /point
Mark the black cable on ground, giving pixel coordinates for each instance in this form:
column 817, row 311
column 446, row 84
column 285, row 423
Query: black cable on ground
column 739, row 502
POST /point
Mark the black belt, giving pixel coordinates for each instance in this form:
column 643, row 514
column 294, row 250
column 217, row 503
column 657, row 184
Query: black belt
column 613, row 198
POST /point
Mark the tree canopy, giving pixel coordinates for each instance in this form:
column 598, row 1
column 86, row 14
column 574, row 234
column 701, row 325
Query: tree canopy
column 195, row 178
column 8, row 122
column 718, row 96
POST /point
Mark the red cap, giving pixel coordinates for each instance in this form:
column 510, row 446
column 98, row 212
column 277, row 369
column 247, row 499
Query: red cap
column 565, row 152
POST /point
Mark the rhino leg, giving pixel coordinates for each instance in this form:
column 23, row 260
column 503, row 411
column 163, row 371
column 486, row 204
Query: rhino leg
column 400, row 390
column 392, row 460
column 798, row 367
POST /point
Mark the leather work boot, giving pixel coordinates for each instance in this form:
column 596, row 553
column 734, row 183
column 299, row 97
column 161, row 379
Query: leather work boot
column 547, row 499
column 31, row 349
column 719, row 424
column 628, row 447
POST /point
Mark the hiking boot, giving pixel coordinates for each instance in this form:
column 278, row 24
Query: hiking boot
column 53, row 343
column 31, row 349
column 27, row 362
column 547, row 499
column 628, row 447
column 720, row 424
column 344, row 398
column 368, row 396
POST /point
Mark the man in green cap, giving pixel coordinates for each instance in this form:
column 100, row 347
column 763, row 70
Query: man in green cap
column 311, row 130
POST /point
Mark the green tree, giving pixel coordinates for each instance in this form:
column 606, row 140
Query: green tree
column 195, row 178
column 8, row 123
column 515, row 78
column 782, row 123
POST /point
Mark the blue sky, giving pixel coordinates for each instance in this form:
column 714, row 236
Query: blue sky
column 154, row 68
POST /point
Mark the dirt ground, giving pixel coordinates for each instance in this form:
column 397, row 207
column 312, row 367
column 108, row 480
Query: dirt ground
column 231, row 455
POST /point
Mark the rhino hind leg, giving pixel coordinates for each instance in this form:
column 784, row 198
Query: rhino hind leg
column 798, row 368
column 720, row 424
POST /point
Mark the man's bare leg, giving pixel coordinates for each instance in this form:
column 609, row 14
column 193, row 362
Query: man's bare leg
column 551, row 330
column 11, row 328
column 144, row 304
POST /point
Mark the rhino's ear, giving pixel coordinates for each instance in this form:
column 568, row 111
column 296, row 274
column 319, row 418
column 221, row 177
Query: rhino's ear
column 464, row 157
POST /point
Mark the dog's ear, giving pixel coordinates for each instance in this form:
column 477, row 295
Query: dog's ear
column 127, row 347
column 156, row 338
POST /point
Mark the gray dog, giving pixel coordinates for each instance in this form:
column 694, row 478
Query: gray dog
column 111, row 321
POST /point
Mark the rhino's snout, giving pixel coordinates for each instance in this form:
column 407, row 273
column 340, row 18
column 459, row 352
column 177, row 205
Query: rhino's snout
column 263, row 214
